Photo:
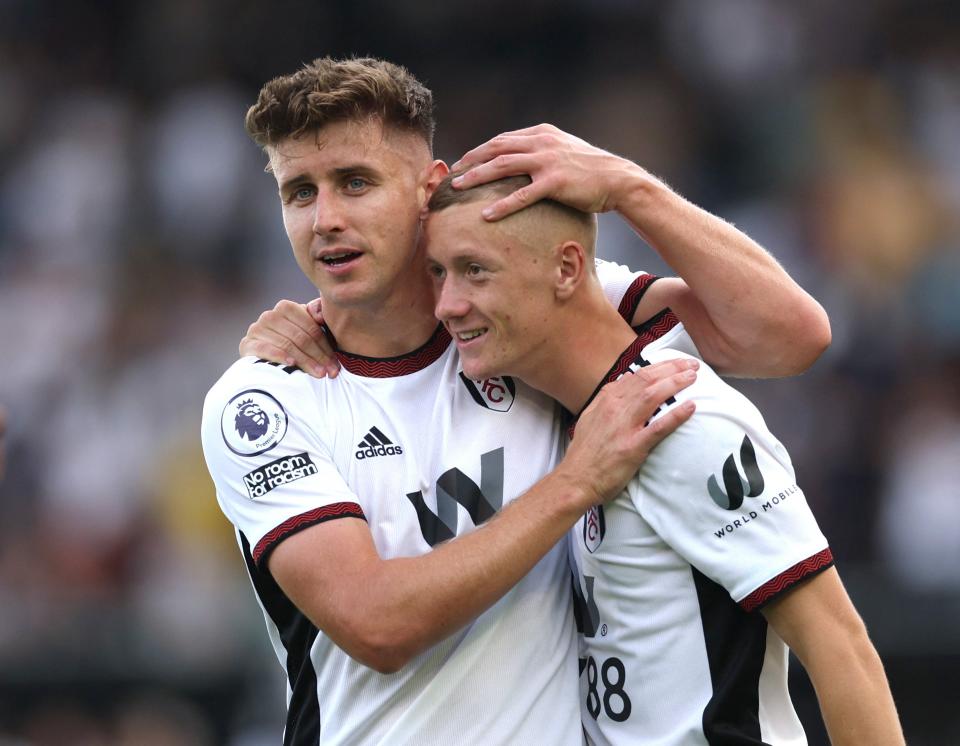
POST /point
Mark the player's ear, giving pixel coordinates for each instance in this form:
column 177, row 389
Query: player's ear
column 571, row 266
column 429, row 181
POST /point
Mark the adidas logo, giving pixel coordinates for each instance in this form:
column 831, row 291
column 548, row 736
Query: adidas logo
column 375, row 443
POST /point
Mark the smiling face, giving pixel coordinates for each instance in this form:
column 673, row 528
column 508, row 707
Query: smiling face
column 495, row 290
column 352, row 193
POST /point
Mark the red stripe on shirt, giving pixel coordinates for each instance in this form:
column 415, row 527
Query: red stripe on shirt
column 787, row 579
column 299, row 522
column 631, row 298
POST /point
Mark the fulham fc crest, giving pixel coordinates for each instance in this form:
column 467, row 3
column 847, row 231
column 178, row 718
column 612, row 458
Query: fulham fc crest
column 492, row 393
column 594, row 528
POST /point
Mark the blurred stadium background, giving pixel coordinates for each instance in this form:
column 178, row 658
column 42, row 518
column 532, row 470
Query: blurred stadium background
column 139, row 237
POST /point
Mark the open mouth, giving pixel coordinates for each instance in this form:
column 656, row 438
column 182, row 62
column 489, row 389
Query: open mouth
column 335, row 260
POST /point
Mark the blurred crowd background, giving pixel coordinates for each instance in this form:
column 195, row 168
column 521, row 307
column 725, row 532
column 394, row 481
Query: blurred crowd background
column 139, row 237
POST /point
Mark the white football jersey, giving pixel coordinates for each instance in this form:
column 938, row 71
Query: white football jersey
column 423, row 454
column 670, row 575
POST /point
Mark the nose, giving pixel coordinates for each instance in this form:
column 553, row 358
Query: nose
column 328, row 215
column 451, row 303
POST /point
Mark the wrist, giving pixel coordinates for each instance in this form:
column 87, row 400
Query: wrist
column 571, row 492
column 637, row 191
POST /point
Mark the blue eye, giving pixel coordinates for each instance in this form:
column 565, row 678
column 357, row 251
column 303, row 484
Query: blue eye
column 356, row 184
column 303, row 193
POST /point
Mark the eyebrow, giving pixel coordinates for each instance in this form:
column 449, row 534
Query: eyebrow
column 294, row 181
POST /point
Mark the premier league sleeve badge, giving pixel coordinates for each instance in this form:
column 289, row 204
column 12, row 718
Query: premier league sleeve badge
column 253, row 422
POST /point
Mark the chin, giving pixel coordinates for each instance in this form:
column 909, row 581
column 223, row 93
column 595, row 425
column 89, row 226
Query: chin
column 478, row 370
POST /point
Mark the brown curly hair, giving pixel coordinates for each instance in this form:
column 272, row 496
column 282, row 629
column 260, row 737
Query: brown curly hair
column 332, row 90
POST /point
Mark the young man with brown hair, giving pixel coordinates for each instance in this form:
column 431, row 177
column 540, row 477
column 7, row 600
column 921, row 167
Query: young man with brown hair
column 355, row 498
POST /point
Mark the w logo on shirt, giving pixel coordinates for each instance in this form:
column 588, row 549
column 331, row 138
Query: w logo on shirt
column 737, row 485
column 456, row 488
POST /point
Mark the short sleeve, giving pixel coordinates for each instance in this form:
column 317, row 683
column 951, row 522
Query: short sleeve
column 622, row 286
column 721, row 491
column 269, row 461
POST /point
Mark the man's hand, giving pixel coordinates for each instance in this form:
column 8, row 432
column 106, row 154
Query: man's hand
column 563, row 168
column 290, row 333
column 612, row 436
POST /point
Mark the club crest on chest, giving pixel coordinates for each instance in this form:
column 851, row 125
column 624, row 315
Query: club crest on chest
column 594, row 528
column 492, row 393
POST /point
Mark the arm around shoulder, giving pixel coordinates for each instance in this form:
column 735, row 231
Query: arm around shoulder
column 745, row 313
column 819, row 623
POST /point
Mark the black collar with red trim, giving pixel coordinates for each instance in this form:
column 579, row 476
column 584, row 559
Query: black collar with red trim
column 649, row 331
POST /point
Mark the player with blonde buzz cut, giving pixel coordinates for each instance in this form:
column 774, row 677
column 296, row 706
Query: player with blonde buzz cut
column 694, row 583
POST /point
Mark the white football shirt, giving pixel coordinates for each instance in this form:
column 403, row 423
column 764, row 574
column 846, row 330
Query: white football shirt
column 670, row 575
column 423, row 454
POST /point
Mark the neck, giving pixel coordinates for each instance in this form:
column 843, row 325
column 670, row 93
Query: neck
column 394, row 326
column 591, row 336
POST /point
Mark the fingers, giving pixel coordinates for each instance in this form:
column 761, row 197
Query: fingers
column 648, row 390
column 498, row 167
column 288, row 334
column 514, row 141
column 501, row 167
column 499, row 145
column 640, row 395
column 314, row 308
column 616, row 433
column 669, row 421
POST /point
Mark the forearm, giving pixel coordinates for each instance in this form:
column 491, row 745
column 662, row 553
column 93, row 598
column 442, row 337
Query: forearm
column 383, row 612
column 855, row 699
column 819, row 623
column 762, row 322
column 400, row 607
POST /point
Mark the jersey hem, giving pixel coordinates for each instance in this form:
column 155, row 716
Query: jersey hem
column 786, row 580
column 298, row 523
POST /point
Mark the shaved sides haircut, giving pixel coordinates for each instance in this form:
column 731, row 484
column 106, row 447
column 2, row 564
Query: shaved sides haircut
column 545, row 219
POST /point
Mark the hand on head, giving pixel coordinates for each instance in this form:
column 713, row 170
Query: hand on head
column 563, row 168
